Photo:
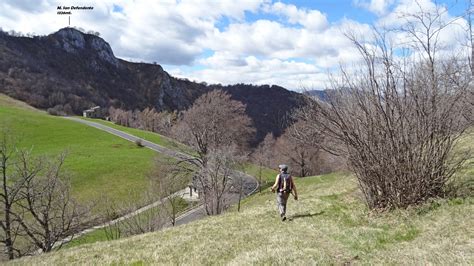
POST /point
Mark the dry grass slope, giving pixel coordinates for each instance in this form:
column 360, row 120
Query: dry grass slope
column 328, row 225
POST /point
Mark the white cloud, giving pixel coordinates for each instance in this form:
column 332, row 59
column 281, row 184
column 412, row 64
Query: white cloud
column 158, row 31
column 379, row 7
column 264, row 52
column 270, row 39
column 310, row 19
column 30, row 6
column 222, row 60
column 294, row 50
column 287, row 73
column 263, row 37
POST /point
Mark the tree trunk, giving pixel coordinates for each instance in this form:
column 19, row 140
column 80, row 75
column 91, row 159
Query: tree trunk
column 8, row 236
column 7, row 207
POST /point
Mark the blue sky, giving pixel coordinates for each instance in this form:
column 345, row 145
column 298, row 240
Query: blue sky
column 294, row 44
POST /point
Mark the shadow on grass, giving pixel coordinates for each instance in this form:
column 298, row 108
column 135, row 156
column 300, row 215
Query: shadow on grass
column 305, row 215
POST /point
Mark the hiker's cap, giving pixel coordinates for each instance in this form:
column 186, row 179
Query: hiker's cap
column 283, row 167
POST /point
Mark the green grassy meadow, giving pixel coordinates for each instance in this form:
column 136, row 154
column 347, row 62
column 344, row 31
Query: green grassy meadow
column 101, row 165
column 146, row 135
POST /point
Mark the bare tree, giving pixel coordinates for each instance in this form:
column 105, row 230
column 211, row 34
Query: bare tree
column 238, row 186
column 36, row 202
column 264, row 155
column 214, row 181
column 170, row 206
column 399, row 117
column 470, row 33
column 112, row 231
column 167, row 178
column 216, row 127
column 299, row 147
column 311, row 134
column 215, row 121
column 305, row 133
column 147, row 119
column 121, row 117
column 238, row 178
column 147, row 221
column 10, row 194
column 132, row 224
column 52, row 214
column 470, row 37
column 297, row 150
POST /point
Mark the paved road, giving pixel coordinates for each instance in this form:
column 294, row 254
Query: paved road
column 132, row 138
column 250, row 184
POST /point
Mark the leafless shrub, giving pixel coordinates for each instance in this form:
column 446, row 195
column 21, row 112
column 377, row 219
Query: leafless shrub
column 398, row 119
column 139, row 143
column 57, row 110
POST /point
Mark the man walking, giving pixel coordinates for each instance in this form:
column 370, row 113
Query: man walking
column 284, row 186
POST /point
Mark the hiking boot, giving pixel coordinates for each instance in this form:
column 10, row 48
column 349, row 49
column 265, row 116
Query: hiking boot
column 283, row 218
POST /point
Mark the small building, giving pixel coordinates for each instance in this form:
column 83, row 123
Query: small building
column 94, row 112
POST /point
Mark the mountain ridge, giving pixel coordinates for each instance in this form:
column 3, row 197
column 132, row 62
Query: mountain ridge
column 73, row 71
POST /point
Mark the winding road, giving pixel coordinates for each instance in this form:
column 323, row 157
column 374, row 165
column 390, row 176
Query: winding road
column 250, row 184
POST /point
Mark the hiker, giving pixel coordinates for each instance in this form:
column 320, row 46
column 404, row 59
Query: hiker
column 284, row 186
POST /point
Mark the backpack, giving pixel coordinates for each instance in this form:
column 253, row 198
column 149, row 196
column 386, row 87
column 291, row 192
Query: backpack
column 285, row 178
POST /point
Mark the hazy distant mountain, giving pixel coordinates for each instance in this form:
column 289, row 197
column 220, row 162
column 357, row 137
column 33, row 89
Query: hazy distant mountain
column 321, row 94
column 75, row 71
